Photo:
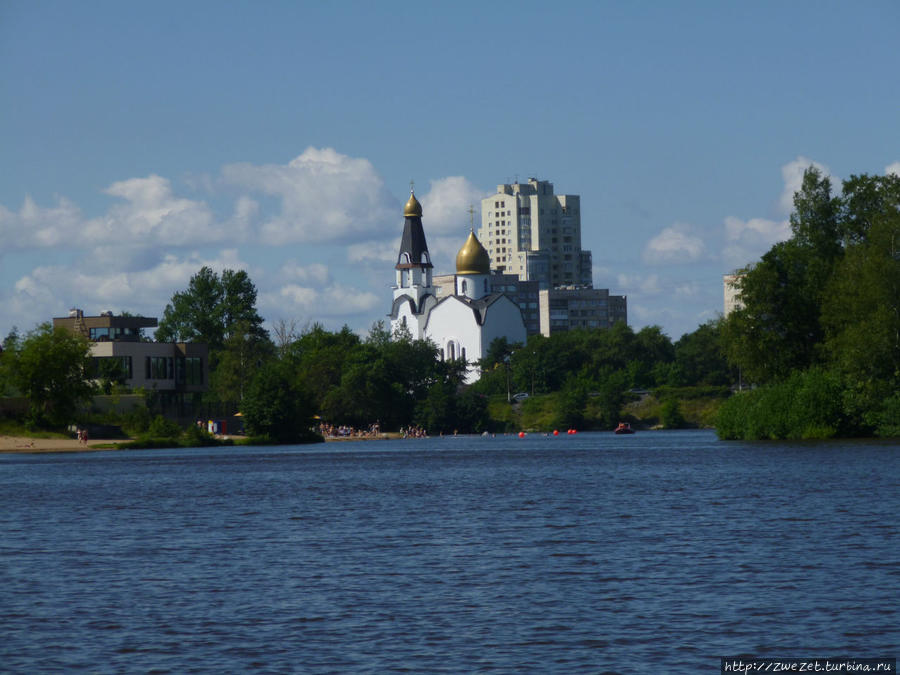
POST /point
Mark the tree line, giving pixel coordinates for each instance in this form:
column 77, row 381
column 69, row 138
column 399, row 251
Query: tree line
column 817, row 338
column 819, row 330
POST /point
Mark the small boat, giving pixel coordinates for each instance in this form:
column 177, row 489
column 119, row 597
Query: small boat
column 624, row 428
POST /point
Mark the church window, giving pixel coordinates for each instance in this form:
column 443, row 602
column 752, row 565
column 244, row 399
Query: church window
column 464, row 288
column 451, row 352
column 485, row 286
column 463, row 353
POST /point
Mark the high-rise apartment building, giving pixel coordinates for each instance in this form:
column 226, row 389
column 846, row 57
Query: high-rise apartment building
column 535, row 234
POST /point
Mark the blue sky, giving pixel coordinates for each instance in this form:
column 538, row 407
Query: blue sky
column 140, row 141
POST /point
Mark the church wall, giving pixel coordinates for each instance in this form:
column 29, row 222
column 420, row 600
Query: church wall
column 504, row 319
column 453, row 321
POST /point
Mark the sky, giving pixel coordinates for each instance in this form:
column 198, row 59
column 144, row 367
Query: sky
column 140, row 141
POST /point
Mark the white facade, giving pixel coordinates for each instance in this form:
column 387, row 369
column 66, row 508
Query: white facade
column 732, row 293
column 463, row 315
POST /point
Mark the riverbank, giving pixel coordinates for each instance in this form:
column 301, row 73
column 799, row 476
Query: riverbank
column 25, row 444
column 29, row 444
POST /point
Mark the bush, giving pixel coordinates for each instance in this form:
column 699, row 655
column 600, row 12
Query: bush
column 670, row 415
column 807, row 405
column 889, row 417
column 195, row 437
column 160, row 427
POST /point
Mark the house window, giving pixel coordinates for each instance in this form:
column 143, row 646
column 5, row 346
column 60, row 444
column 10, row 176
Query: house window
column 159, row 368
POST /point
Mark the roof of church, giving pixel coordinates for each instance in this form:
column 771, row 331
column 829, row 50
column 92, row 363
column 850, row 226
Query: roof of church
column 413, row 247
column 480, row 306
column 472, row 257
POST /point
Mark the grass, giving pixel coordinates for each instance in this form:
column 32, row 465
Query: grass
column 9, row 427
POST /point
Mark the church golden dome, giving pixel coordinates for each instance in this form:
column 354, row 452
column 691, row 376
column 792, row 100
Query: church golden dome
column 473, row 258
column 413, row 208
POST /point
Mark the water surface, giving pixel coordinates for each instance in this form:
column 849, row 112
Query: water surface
column 658, row 552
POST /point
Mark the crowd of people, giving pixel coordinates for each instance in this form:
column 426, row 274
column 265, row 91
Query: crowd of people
column 344, row 431
column 413, row 431
column 373, row 431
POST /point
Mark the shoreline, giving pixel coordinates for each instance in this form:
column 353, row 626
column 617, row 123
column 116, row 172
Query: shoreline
column 27, row 444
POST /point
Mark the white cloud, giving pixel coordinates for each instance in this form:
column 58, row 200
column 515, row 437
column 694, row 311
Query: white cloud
column 38, row 227
column 445, row 209
column 324, row 196
column 792, row 173
column 316, row 272
column 380, row 252
column 893, row 168
column 630, row 284
column 747, row 240
column 299, row 301
column 690, row 289
column 48, row 291
column 153, row 215
column 675, row 244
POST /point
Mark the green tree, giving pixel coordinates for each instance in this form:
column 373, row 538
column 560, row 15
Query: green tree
column 196, row 314
column 700, row 358
column 779, row 329
column 8, row 352
column 51, row 367
column 239, row 313
column 670, row 415
column 277, row 406
column 242, row 355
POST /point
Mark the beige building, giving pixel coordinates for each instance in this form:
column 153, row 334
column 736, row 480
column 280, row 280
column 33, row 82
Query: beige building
column 535, row 234
column 732, row 292
column 159, row 366
column 563, row 309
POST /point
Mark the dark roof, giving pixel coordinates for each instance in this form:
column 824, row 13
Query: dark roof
column 413, row 245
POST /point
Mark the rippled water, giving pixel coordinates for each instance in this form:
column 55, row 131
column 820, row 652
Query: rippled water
column 659, row 552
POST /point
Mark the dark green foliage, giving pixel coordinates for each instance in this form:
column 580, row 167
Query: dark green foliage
column 570, row 405
column 670, row 415
column 195, row 437
column 700, row 358
column 827, row 301
column 278, row 406
column 888, row 417
column 160, row 427
column 447, row 410
column 806, row 405
column 51, row 368
column 136, row 421
column 220, row 311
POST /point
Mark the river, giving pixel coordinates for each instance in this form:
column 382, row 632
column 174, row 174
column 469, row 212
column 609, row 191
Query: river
column 659, row 552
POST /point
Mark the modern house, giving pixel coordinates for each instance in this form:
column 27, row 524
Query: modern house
column 159, row 366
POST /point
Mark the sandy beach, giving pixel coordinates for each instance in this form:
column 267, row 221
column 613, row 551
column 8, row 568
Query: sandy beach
column 25, row 444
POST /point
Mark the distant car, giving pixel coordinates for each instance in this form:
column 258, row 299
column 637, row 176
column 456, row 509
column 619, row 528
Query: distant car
column 520, row 396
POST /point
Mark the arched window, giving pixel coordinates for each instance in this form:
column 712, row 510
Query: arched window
column 485, row 286
column 451, row 351
column 463, row 287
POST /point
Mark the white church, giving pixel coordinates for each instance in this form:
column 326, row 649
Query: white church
column 464, row 323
